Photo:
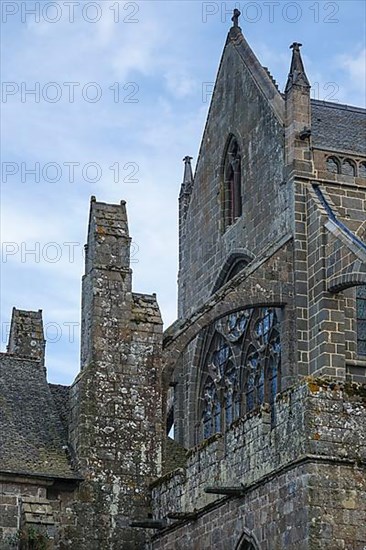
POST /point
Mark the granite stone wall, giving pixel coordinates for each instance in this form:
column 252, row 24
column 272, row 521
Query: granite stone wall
column 35, row 512
column 239, row 109
column 308, row 507
column 115, row 412
column 302, row 475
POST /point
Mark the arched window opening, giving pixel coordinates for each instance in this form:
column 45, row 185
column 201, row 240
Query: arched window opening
column 264, row 325
column 241, row 367
column 233, row 265
column 232, row 200
column 245, row 543
column 236, row 268
column 232, row 404
column 253, row 374
column 361, row 319
column 362, row 170
column 273, row 369
column 274, row 365
column 348, row 168
column 170, row 410
column 211, row 410
column 333, row 165
column 217, row 368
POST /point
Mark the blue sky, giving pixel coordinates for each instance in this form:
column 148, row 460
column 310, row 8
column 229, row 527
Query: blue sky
column 159, row 56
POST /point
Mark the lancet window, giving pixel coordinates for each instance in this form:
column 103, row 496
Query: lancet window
column 232, row 195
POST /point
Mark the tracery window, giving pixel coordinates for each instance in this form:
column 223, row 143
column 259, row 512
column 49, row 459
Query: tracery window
column 241, row 367
column 361, row 319
column 232, row 199
column 333, row 165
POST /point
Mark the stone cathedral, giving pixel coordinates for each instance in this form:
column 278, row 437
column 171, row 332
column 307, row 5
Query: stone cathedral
column 262, row 375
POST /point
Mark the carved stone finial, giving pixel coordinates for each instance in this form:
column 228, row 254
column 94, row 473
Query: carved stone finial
column 297, row 76
column 235, row 18
column 188, row 174
column 295, row 46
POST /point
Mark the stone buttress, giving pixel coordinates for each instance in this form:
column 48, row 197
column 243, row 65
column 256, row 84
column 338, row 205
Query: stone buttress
column 115, row 424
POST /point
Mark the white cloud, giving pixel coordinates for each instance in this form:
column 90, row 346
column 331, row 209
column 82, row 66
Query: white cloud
column 354, row 67
column 169, row 53
column 180, row 84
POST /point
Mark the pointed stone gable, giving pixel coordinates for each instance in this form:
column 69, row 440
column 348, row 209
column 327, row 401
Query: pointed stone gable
column 247, row 106
column 260, row 75
column 297, row 75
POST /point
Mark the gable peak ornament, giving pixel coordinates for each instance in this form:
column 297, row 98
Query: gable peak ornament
column 235, row 18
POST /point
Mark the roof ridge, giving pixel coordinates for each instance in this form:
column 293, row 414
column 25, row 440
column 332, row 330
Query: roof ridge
column 341, row 106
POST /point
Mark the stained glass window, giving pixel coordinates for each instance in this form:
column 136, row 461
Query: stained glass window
column 264, row 325
column 273, row 369
column 361, row 319
column 241, row 366
column 251, row 369
column 231, row 394
column 211, row 410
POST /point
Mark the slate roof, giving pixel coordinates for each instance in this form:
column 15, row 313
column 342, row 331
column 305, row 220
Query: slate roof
column 60, row 396
column 31, row 433
column 338, row 127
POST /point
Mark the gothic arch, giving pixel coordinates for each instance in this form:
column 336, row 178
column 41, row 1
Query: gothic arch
column 346, row 280
column 231, row 137
column 349, row 167
column 253, row 289
column 200, row 378
column 238, row 368
column 205, row 373
column 231, row 196
column 175, row 344
column 236, row 261
column 333, row 164
column 247, row 542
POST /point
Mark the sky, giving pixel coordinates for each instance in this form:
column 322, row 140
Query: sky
column 106, row 98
